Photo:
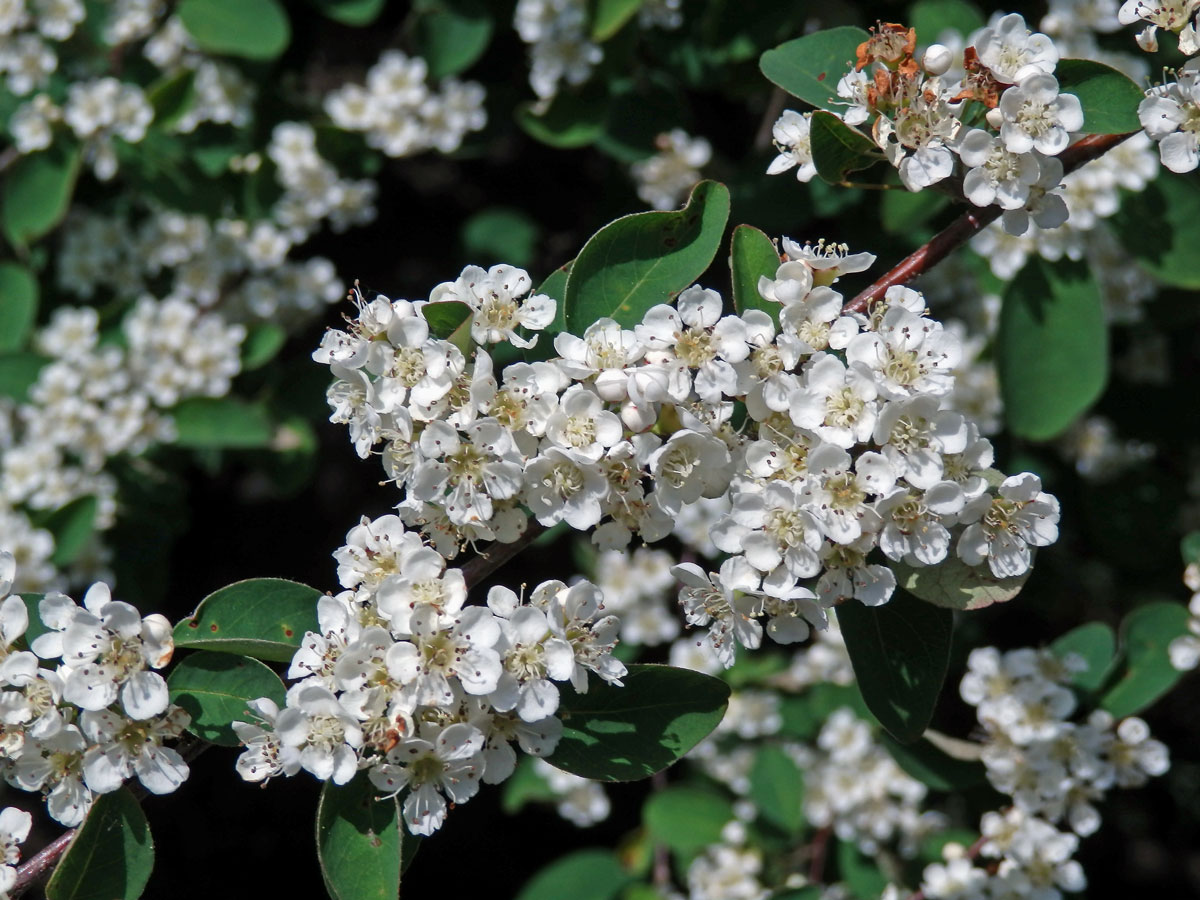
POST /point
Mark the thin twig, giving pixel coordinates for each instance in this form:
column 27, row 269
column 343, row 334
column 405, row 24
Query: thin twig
column 820, row 849
column 497, row 554
column 971, row 223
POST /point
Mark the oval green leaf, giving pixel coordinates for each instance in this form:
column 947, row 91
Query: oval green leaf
column 1051, row 348
column 263, row 342
column 932, row 17
column 1146, row 671
column 358, row 841
column 1109, row 98
column 900, row 652
column 1168, row 250
column 1096, row 644
column 350, row 12
column 18, row 373
column 752, row 255
column 686, row 819
column 451, row 35
column 214, row 688
column 111, row 856
column 810, row 67
column 18, row 305
column 1189, row 548
column 172, row 96
column 501, row 234
column 610, row 16
column 930, row 766
column 450, row 320
column 221, row 422
column 860, row 872
column 645, row 259
column 626, row 733
column 37, row 191
column 838, row 149
column 955, row 585
column 777, row 789
column 575, row 118
column 72, row 527
column 266, row 618
column 583, row 875
column 258, row 30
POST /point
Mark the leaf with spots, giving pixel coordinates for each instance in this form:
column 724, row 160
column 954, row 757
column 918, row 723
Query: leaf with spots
column 214, row 689
column 265, row 618
column 645, row 259
column 359, row 841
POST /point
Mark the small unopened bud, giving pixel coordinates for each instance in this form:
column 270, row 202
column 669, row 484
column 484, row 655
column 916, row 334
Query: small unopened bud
column 995, row 118
column 937, row 59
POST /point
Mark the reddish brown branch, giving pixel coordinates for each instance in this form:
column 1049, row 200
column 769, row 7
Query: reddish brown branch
column 971, row 223
column 498, row 554
column 41, row 863
column 820, row 849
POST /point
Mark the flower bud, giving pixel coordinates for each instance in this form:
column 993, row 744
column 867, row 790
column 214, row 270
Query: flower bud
column 995, row 118
column 937, row 59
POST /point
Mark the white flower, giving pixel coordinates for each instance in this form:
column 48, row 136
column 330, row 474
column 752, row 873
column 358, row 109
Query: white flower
column 1171, row 115
column 1013, row 53
column 442, row 761
column 726, row 601
column 315, row 726
column 494, row 297
column 1002, row 528
column 441, row 648
column 1037, row 117
column 994, row 174
column 790, row 134
column 837, row 402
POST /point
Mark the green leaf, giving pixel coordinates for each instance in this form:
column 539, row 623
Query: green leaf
column 37, row 191
column 1168, row 250
column 18, row 305
column 777, row 788
column 358, row 841
column 810, row 67
column 934, row 768
column 111, row 856
column 172, row 96
column 501, row 234
column 450, row 320
column 258, row 30
column 839, row 149
column 574, row 119
column 263, row 342
column 1051, row 348
column 72, row 526
column 645, row 259
column 932, row 17
column 1097, row 645
column 1108, row 97
column 955, row 585
column 18, row 373
column 350, row 12
column 1189, row 548
column 860, row 872
column 901, row 210
column 1146, row 672
column 625, row 733
column 221, row 422
column 804, row 714
column 900, row 652
column 610, row 16
column 36, row 626
column 686, row 819
column 582, row 875
column 266, row 618
column 452, row 35
column 752, row 255
column 214, row 688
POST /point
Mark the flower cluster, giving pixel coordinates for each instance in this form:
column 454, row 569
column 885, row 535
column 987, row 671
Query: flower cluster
column 1171, row 116
column 14, row 828
column 100, row 717
column 1178, row 16
column 96, row 400
column 398, row 112
column 846, row 446
column 424, row 692
column 1054, row 769
column 924, row 121
column 561, row 49
column 664, row 179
